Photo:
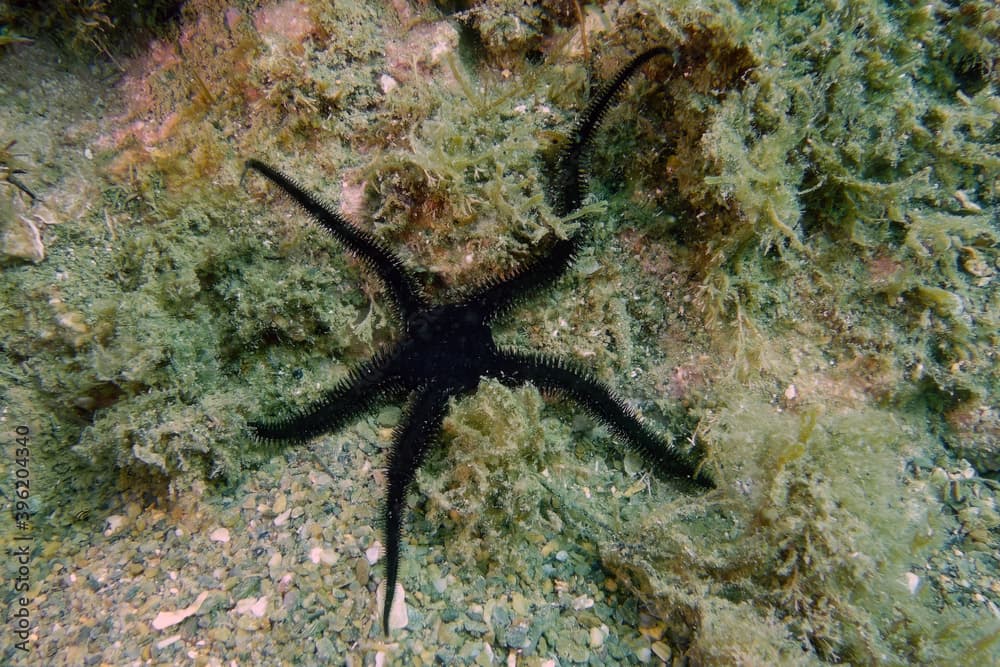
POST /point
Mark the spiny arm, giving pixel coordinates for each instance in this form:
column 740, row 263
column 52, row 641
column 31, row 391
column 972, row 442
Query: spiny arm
column 570, row 185
column 386, row 264
column 567, row 191
column 367, row 386
column 555, row 375
column 413, row 437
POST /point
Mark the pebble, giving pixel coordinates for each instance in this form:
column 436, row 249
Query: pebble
column 388, row 416
column 255, row 607
column 362, row 571
column 325, row 556
column 319, row 479
column 662, row 651
column 113, row 524
column 516, row 636
column 280, row 502
column 219, row 535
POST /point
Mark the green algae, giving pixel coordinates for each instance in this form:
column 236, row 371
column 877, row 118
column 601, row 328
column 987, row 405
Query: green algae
column 800, row 212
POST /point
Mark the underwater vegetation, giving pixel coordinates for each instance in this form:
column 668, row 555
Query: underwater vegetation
column 447, row 349
column 797, row 243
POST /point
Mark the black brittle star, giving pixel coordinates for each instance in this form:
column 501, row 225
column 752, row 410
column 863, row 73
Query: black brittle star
column 445, row 349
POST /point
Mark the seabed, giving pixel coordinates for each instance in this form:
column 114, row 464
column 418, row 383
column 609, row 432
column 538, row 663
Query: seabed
column 795, row 246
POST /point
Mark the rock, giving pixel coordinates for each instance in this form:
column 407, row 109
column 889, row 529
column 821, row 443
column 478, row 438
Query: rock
column 113, row 524
column 662, row 651
column 280, row 502
column 255, row 607
column 219, row 535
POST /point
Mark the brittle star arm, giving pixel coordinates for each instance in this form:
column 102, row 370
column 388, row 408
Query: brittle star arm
column 414, row 435
column 386, row 264
column 567, row 192
column 368, row 385
column 558, row 376
column 570, row 185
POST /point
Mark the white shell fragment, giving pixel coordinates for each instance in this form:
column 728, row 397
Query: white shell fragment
column 165, row 619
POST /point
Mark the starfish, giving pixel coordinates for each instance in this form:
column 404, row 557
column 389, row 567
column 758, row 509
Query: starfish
column 445, row 349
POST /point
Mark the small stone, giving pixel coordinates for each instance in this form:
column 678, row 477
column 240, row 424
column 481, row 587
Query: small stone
column 979, row 535
column 255, row 607
column 22, row 240
column 113, row 524
column 325, row 556
column 662, row 651
column 966, row 203
column 516, row 636
column 388, row 416
column 219, row 535
column 387, row 83
column 912, row 582
column 319, row 479
column 597, row 637
column 280, row 502
column 285, row 583
column 374, row 552
column 362, row 571
column 220, row 634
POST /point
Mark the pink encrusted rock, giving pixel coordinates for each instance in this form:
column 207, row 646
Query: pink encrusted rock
column 289, row 21
column 420, row 51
